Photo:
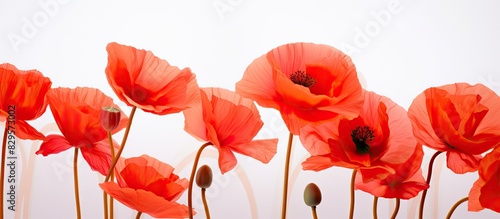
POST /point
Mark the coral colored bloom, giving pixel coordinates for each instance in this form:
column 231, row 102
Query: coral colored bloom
column 141, row 79
column 23, row 94
column 147, row 185
column 485, row 192
column 406, row 183
column 379, row 137
column 77, row 114
column 229, row 122
column 307, row 83
column 460, row 119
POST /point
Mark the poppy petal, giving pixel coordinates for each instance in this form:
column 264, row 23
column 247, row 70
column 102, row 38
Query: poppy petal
column 164, row 169
column 258, row 83
column 24, row 90
column 461, row 163
column 490, row 194
column 77, row 114
column 317, row 163
column 268, row 81
column 141, row 79
column 146, row 202
column 26, row 131
column 53, row 144
column 227, row 160
column 195, row 125
column 98, row 156
column 262, row 150
column 474, row 194
column 315, row 138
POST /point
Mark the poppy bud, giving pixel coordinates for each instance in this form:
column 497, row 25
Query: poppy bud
column 110, row 118
column 312, row 195
column 204, row 177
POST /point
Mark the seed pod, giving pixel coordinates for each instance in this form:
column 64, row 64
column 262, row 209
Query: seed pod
column 110, row 118
column 312, row 195
column 204, row 177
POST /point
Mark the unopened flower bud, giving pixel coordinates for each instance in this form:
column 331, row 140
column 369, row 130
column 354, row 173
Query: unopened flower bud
column 312, row 195
column 110, row 118
column 204, row 177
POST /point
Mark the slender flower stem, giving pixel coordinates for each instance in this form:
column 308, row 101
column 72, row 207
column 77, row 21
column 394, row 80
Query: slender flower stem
column 122, row 145
column 205, row 204
column 396, row 209
column 105, row 195
column 285, row 177
column 138, row 215
column 313, row 208
column 353, row 178
column 428, row 181
column 111, row 208
column 105, row 198
column 4, row 148
column 75, row 178
column 455, row 206
column 375, row 203
column 112, row 147
column 191, row 179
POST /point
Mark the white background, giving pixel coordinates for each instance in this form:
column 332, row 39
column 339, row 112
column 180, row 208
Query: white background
column 400, row 48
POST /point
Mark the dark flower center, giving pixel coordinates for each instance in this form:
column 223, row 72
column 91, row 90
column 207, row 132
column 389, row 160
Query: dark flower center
column 302, row 78
column 139, row 94
column 360, row 136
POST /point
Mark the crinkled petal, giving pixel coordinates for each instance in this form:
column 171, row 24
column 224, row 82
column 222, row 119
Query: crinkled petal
column 257, row 84
column 317, row 163
column 141, row 79
column 98, row 156
column 461, row 163
column 146, row 202
column 26, row 131
column 262, row 150
column 53, row 144
column 474, row 194
column 227, row 160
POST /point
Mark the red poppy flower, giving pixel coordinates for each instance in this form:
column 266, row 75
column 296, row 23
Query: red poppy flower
column 23, row 92
column 141, row 79
column 485, row 192
column 460, row 119
column 406, row 183
column 77, row 114
column 147, row 185
column 229, row 122
column 379, row 137
column 307, row 83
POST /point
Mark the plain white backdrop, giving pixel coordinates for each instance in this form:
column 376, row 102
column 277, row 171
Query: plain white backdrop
column 400, row 48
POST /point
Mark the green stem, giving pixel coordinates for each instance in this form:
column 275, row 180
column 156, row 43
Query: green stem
column 396, row 209
column 353, row 178
column 191, row 179
column 122, row 145
column 205, row 204
column 75, row 179
column 4, row 148
column 313, row 208
column 285, row 177
column 375, row 203
column 429, row 175
column 455, row 206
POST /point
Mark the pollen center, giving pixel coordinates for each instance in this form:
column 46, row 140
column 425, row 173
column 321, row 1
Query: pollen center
column 302, row 78
column 360, row 136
